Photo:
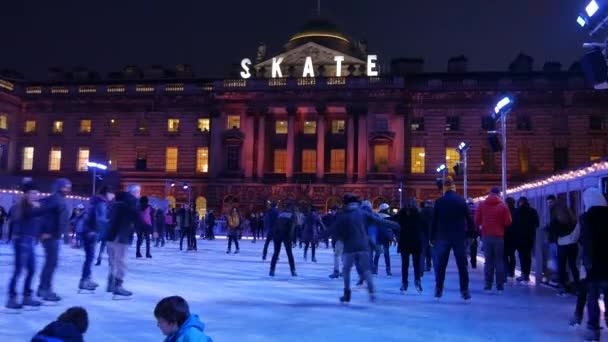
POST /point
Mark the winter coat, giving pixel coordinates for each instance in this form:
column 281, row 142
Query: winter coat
column 192, row 330
column 124, row 217
column 96, row 217
column 312, row 224
column 452, row 220
column 594, row 238
column 284, row 226
column 493, row 216
column 351, row 227
column 211, row 220
column 186, row 218
column 411, row 235
column 385, row 236
column 59, row 332
column 146, row 220
column 525, row 223
column 159, row 221
column 270, row 218
column 56, row 220
column 27, row 221
column 426, row 216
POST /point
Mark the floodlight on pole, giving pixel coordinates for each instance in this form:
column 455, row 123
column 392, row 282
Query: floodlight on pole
column 592, row 8
column 502, row 105
column 463, row 147
column 442, row 169
column 581, row 21
column 501, row 110
column 95, row 167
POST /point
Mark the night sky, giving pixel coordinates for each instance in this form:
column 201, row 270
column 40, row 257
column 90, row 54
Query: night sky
column 210, row 35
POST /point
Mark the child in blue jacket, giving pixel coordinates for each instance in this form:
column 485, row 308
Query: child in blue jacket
column 177, row 323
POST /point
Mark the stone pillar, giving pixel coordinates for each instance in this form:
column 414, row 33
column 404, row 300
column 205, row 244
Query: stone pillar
column 261, row 145
column 215, row 152
column 399, row 143
column 291, row 113
column 320, row 142
column 350, row 146
column 362, row 145
column 247, row 155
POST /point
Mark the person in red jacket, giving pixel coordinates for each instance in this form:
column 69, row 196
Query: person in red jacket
column 492, row 217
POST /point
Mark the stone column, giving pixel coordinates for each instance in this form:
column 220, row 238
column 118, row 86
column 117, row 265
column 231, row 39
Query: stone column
column 399, row 143
column 216, row 160
column 291, row 113
column 350, row 146
column 261, row 145
column 363, row 145
column 320, row 142
column 247, row 155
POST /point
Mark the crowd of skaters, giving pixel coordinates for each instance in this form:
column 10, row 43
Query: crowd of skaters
column 424, row 233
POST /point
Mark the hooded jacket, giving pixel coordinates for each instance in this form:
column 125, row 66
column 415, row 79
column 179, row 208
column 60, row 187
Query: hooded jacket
column 525, row 223
column 97, row 216
column 57, row 218
column 411, row 236
column 192, row 330
column 124, row 217
column 494, row 216
column 59, row 331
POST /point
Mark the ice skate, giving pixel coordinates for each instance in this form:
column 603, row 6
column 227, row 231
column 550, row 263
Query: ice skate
column 31, row 302
column 389, row 273
column 119, row 292
column 138, row 255
column 466, row 295
column 403, row 288
column 236, row 252
column 346, row 297
column 271, row 273
column 86, row 287
column 575, row 321
column 335, row 275
column 314, row 260
column 110, row 286
column 294, row 274
column 438, row 293
column 48, row 296
column 418, row 286
column 12, row 304
column 149, row 256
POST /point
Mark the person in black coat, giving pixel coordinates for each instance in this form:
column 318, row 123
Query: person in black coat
column 452, row 226
column 69, row 327
column 283, row 231
column 426, row 215
column 411, row 237
column 270, row 218
column 55, row 224
column 159, row 223
column 523, row 229
column 210, row 225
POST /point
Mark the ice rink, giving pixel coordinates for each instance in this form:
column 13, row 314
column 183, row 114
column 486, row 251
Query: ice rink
column 237, row 301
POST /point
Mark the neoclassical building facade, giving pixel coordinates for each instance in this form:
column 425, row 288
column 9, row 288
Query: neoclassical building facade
column 310, row 137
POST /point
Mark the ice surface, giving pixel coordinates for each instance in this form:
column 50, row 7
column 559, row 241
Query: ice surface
column 237, row 300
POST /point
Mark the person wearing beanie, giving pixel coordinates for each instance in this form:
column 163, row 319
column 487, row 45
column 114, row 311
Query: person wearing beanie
column 492, row 217
column 27, row 219
column 385, row 237
column 451, row 226
column 56, row 223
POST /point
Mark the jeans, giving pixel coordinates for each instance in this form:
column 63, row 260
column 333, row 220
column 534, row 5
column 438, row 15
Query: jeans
column 405, row 265
column 265, row 251
column 382, row 249
column 190, row 234
column 567, row 255
column 117, row 253
column 88, row 243
column 361, row 260
column 338, row 250
column 286, row 241
column 493, row 250
column 51, row 252
column 161, row 238
column 509, row 256
column 140, row 239
column 24, row 258
column 236, row 242
column 595, row 288
column 102, row 249
column 442, row 256
column 426, row 258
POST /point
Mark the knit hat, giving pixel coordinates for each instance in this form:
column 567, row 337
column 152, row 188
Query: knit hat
column 29, row 186
column 449, row 184
column 495, row 190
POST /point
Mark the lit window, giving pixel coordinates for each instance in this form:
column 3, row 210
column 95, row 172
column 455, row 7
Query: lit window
column 281, row 127
column 85, row 126
column 452, row 157
column 337, row 161
column 30, row 126
column 280, row 161
column 202, row 159
column 57, row 127
column 203, row 125
column 28, row 158
column 3, row 121
column 337, row 127
column 173, row 125
column 234, row 121
column 381, row 158
column 595, row 157
column 55, row 159
column 83, row 159
column 310, row 127
column 309, row 161
column 418, row 155
column 171, row 159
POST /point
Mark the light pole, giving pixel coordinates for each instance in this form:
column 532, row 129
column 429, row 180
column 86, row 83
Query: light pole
column 95, row 167
column 442, row 168
column 400, row 195
column 502, row 109
column 463, row 148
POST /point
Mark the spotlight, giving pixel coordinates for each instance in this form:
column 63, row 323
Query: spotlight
column 172, row 184
column 581, row 21
column 591, row 8
column 502, row 104
column 186, row 186
column 441, row 168
column 463, row 146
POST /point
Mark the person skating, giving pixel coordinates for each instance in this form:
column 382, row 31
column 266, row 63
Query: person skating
column 145, row 229
column 3, row 219
column 426, row 216
column 283, row 232
column 270, row 218
column 123, row 220
column 525, row 224
column 351, row 228
column 96, row 220
column 411, row 237
column 452, row 225
column 562, row 231
column 473, row 244
column 210, row 222
column 56, row 223
column 159, row 223
column 27, row 220
column 385, row 237
column 234, row 222
column 594, row 239
column 493, row 216
column 310, row 234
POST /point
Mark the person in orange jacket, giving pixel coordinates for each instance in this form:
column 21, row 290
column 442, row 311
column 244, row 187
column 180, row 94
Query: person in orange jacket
column 492, row 217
